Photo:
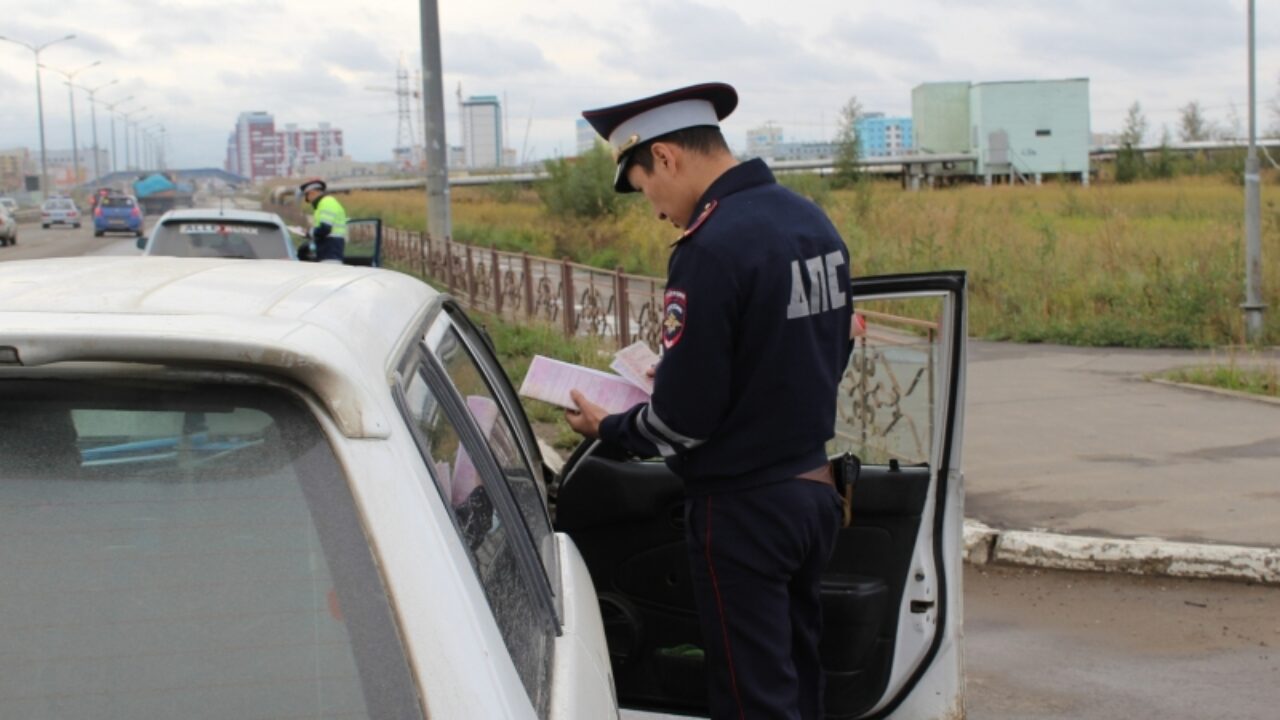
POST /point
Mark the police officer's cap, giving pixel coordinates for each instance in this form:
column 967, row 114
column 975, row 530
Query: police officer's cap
column 631, row 124
column 313, row 184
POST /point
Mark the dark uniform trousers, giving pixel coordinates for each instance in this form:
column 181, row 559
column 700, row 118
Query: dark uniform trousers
column 757, row 557
column 330, row 248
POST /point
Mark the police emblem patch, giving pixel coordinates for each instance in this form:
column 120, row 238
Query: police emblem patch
column 674, row 317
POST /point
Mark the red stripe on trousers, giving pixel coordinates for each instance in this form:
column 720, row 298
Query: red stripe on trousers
column 724, row 631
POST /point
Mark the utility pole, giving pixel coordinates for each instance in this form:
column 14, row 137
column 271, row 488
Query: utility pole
column 126, row 116
column 71, row 97
column 438, row 222
column 111, row 110
column 93, row 119
column 35, row 49
column 1253, row 305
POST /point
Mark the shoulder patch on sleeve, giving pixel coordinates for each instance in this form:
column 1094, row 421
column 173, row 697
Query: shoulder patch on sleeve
column 675, row 316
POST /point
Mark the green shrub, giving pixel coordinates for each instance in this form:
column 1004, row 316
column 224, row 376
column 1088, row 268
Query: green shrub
column 581, row 187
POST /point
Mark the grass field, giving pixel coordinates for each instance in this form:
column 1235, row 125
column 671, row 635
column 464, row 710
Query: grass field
column 1153, row 264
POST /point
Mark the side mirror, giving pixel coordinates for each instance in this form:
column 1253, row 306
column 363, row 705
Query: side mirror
column 142, row 243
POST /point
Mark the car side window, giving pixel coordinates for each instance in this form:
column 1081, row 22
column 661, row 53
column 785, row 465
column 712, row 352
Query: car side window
column 526, row 486
column 473, row 500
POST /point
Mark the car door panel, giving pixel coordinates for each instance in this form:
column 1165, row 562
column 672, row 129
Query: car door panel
column 886, row 582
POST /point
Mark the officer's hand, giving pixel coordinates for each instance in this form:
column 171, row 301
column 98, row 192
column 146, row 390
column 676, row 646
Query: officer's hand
column 858, row 326
column 586, row 420
column 653, row 370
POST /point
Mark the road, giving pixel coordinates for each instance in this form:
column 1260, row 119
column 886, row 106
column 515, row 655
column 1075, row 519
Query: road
column 59, row 241
column 1049, row 645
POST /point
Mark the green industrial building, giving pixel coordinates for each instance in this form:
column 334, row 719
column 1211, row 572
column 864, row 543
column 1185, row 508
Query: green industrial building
column 1017, row 130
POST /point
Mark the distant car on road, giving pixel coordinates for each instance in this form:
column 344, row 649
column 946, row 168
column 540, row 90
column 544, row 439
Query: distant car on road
column 59, row 211
column 117, row 213
column 8, row 227
column 227, row 233
column 9, row 204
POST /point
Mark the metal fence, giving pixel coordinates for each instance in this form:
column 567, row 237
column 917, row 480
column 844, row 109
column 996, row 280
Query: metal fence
column 887, row 396
column 583, row 300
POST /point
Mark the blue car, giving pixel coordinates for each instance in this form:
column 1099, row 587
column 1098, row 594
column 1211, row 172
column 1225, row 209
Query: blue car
column 117, row 213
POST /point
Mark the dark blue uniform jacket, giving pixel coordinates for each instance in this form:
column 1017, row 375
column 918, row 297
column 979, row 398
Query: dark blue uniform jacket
column 755, row 335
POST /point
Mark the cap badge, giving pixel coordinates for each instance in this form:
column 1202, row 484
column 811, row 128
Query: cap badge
column 624, row 147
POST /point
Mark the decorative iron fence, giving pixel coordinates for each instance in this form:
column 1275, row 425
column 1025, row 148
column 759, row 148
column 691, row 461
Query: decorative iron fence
column 887, row 396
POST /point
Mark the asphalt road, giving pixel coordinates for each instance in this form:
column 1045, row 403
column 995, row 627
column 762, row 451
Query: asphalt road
column 62, row 241
column 1049, row 645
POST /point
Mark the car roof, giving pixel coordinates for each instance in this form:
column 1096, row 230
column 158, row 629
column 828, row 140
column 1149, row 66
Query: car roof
column 221, row 214
column 336, row 329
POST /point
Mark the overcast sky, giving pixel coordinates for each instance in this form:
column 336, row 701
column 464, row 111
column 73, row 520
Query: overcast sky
column 196, row 64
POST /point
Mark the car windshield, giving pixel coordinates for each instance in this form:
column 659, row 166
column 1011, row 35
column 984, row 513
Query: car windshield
column 58, row 205
column 184, row 551
column 220, row 238
column 116, row 201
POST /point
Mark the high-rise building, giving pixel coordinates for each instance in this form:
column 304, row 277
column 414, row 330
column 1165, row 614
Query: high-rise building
column 880, row 136
column 257, row 150
column 482, row 131
column 308, row 147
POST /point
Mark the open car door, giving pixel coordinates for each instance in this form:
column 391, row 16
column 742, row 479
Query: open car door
column 891, row 594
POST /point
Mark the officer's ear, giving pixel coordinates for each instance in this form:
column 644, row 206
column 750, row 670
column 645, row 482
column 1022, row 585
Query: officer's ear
column 665, row 155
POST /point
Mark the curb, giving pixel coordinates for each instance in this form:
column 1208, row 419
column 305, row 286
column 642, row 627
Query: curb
column 1223, row 392
column 1142, row 556
column 985, row 545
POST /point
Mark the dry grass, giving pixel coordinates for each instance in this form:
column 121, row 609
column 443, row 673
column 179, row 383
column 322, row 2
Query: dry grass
column 1148, row 264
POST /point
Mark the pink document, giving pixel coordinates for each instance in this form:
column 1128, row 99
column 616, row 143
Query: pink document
column 633, row 363
column 551, row 380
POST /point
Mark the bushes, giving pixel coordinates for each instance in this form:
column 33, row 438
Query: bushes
column 581, row 187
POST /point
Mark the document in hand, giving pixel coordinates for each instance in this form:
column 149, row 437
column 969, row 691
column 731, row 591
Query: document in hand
column 633, row 362
column 551, row 380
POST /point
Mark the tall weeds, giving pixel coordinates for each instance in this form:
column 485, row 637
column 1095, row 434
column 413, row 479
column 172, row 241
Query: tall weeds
column 1148, row 264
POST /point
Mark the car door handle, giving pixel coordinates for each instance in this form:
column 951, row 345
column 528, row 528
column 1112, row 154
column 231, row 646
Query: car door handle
column 921, row 606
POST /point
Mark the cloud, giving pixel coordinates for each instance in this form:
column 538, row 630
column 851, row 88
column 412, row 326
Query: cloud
column 890, row 38
column 674, row 41
column 355, row 53
column 488, row 56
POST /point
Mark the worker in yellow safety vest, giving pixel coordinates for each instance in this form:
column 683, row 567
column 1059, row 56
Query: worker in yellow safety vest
column 329, row 234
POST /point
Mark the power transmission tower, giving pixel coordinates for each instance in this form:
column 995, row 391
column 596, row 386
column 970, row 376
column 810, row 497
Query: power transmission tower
column 404, row 130
column 405, row 151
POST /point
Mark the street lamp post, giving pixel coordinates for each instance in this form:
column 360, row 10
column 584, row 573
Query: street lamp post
column 35, row 50
column 137, row 139
column 71, row 95
column 126, row 116
column 93, row 119
column 1253, row 305
column 111, row 111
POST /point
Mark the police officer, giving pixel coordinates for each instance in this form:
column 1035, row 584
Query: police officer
column 755, row 334
column 329, row 236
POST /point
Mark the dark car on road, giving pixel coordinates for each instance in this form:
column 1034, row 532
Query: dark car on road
column 117, row 213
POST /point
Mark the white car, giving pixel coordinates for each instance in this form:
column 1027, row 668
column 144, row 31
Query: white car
column 282, row 489
column 59, row 211
column 216, row 232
